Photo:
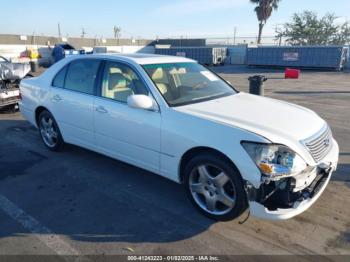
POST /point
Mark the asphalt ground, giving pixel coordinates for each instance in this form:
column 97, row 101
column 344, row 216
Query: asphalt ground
column 77, row 202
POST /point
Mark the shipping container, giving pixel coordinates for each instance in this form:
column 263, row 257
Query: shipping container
column 323, row 57
column 204, row 55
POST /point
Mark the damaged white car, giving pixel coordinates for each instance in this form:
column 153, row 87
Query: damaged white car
column 174, row 117
column 10, row 76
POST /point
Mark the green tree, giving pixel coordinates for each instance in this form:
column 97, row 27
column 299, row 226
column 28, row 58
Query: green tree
column 308, row 29
column 263, row 12
column 343, row 35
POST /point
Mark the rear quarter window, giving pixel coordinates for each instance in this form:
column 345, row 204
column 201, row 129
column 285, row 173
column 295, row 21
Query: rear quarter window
column 58, row 81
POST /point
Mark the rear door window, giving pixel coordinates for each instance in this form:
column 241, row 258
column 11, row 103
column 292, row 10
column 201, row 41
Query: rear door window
column 81, row 76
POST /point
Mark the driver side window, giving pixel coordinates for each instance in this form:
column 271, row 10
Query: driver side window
column 120, row 81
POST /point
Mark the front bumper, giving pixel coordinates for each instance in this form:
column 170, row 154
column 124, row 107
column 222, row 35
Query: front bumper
column 310, row 193
column 9, row 97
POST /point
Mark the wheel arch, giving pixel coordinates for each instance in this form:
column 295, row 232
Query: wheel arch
column 188, row 155
column 38, row 111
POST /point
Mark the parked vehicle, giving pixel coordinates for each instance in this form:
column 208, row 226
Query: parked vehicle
column 174, row 117
column 63, row 50
column 10, row 76
column 99, row 50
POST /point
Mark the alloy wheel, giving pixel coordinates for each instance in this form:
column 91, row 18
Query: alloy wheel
column 48, row 131
column 212, row 189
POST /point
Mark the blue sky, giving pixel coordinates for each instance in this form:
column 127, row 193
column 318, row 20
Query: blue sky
column 151, row 18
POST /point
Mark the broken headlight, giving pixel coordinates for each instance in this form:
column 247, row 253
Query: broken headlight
column 275, row 161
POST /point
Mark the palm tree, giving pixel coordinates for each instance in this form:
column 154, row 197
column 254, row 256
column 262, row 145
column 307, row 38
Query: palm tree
column 263, row 11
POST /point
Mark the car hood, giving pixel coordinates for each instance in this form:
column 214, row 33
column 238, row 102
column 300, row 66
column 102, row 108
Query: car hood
column 277, row 121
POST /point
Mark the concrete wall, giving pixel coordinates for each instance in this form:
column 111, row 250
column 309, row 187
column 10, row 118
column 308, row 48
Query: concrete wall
column 6, row 39
column 11, row 46
column 13, row 52
column 181, row 42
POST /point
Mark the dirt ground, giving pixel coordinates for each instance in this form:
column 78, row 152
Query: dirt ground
column 77, row 202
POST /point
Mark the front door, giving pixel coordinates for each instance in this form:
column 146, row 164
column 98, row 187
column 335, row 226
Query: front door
column 131, row 135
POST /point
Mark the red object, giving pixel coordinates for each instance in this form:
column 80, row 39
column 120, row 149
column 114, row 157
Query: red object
column 24, row 54
column 292, row 73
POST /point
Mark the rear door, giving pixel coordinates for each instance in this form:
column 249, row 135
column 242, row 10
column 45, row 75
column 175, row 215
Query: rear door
column 72, row 98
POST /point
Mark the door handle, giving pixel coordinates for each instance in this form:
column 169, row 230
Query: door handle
column 101, row 110
column 56, row 98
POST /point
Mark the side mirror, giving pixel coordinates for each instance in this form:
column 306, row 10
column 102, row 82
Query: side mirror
column 142, row 102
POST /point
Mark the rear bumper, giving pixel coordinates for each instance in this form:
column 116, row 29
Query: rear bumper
column 27, row 114
column 316, row 189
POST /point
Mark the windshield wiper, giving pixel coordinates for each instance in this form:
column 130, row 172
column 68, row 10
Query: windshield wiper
column 206, row 97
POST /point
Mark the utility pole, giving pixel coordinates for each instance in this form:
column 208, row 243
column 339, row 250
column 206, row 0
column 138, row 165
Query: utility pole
column 33, row 38
column 234, row 35
column 116, row 31
column 59, row 30
column 96, row 40
column 83, row 33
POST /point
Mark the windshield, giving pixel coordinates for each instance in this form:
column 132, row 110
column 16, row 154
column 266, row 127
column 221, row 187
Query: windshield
column 187, row 83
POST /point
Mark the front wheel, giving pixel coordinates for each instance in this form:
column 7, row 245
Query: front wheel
column 215, row 187
column 49, row 131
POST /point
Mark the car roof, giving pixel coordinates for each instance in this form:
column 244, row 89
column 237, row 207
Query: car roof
column 145, row 59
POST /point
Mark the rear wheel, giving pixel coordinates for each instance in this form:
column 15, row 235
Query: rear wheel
column 49, row 131
column 215, row 187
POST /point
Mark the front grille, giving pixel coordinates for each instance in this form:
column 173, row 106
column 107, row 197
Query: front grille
column 320, row 144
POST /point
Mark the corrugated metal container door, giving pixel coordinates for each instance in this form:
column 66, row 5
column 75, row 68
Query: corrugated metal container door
column 237, row 55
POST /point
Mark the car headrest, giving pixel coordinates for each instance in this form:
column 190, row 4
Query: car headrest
column 116, row 80
column 158, row 75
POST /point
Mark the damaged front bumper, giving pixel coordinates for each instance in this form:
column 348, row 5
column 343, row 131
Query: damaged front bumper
column 284, row 199
column 9, row 97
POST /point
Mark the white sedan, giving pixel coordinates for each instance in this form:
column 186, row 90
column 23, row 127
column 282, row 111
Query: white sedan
column 176, row 118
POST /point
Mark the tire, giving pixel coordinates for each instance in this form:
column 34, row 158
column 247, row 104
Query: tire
column 49, row 131
column 229, row 197
column 28, row 76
